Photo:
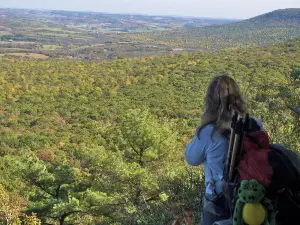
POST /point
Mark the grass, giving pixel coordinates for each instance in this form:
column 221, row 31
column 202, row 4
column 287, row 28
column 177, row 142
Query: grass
column 82, row 37
column 86, row 46
column 53, row 29
column 29, row 55
column 53, row 34
column 12, row 49
column 3, row 32
column 111, row 30
column 50, row 47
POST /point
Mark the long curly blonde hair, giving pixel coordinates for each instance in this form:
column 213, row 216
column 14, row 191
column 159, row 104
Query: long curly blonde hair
column 223, row 98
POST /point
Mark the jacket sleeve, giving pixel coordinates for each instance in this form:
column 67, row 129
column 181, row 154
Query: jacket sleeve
column 195, row 152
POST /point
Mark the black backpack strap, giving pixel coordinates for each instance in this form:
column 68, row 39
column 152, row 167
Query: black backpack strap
column 212, row 183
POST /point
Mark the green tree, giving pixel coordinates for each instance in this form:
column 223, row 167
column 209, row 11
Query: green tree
column 147, row 147
column 61, row 191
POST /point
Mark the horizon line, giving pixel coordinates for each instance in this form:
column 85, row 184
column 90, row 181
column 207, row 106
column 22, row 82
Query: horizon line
column 128, row 13
column 145, row 14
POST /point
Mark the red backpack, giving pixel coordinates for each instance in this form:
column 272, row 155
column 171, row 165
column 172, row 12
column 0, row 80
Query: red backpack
column 254, row 161
column 251, row 156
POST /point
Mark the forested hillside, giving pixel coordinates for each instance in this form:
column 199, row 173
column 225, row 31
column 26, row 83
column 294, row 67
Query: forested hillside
column 83, row 142
column 270, row 28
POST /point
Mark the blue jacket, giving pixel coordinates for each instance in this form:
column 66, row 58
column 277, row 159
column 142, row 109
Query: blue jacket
column 211, row 154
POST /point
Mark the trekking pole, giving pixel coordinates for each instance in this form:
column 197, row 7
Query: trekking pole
column 236, row 146
column 231, row 141
column 246, row 128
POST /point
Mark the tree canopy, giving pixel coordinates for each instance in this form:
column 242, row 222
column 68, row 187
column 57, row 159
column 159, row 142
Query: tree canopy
column 87, row 142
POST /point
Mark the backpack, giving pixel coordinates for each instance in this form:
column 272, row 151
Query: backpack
column 251, row 156
column 285, row 186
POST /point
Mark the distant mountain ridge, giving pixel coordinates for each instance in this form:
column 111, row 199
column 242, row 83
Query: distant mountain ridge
column 288, row 14
column 270, row 28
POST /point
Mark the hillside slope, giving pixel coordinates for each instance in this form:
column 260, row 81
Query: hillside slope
column 280, row 15
column 85, row 142
column 274, row 27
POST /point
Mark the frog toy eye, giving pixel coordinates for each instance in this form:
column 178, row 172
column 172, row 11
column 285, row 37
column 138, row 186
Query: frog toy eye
column 245, row 184
column 253, row 183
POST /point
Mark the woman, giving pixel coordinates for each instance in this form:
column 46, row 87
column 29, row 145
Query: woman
column 209, row 146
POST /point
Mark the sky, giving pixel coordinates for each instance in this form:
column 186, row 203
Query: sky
column 234, row 9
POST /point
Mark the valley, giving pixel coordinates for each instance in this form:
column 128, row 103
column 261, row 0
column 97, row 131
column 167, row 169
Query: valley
column 87, row 35
column 79, row 35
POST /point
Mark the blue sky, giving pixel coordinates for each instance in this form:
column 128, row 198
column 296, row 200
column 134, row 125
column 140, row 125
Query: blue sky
column 240, row 9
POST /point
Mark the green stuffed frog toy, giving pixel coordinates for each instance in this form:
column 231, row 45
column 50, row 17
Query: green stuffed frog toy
column 252, row 207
